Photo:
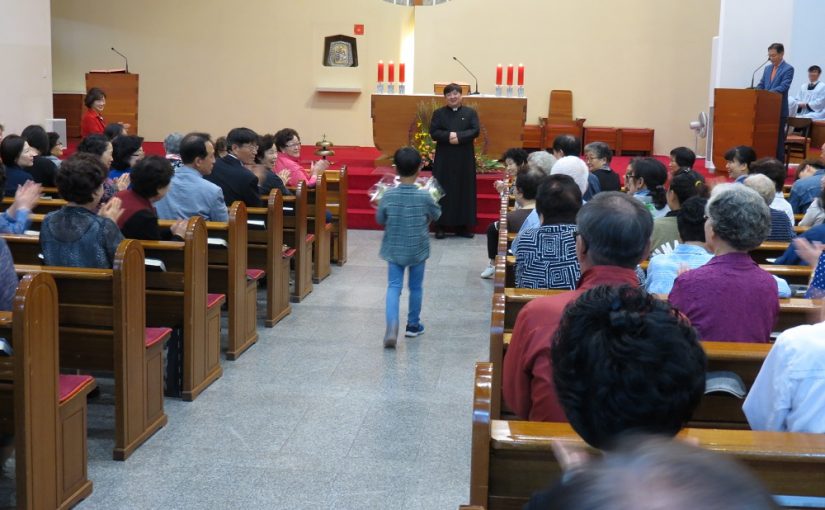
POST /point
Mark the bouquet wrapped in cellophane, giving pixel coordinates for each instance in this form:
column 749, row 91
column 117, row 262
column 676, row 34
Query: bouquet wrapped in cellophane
column 377, row 190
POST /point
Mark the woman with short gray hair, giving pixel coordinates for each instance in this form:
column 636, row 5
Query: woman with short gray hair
column 731, row 298
column 781, row 228
column 598, row 155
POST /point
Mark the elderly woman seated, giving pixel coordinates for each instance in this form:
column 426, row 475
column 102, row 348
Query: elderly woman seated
column 781, row 228
column 546, row 256
column 288, row 162
column 542, row 161
column 598, row 156
column 75, row 235
column 730, row 298
column 151, row 179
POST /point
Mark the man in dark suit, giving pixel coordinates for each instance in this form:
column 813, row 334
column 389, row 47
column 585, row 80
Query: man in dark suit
column 778, row 78
column 229, row 172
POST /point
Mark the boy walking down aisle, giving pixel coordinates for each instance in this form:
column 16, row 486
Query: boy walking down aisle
column 406, row 212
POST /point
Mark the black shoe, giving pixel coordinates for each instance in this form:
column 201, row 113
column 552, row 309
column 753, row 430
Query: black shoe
column 439, row 233
column 465, row 233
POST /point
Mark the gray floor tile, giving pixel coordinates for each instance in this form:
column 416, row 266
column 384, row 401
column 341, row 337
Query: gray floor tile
column 318, row 414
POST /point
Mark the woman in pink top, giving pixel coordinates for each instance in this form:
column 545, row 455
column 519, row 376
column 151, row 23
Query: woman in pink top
column 288, row 144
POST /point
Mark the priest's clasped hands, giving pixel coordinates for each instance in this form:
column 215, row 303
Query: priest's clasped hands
column 453, row 138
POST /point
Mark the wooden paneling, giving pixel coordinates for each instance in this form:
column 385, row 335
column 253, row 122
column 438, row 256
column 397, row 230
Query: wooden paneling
column 394, row 115
column 69, row 107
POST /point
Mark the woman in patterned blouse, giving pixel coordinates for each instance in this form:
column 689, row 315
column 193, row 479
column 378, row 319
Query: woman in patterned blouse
column 546, row 256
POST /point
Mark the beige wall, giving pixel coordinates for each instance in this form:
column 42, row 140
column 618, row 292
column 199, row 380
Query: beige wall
column 630, row 63
column 25, row 51
column 203, row 68
column 635, row 63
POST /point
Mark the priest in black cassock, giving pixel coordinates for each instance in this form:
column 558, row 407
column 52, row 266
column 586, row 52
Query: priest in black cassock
column 453, row 128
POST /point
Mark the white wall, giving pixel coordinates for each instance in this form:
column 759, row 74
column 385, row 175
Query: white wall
column 807, row 40
column 26, row 56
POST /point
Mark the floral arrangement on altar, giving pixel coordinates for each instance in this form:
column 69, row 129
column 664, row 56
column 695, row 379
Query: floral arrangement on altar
column 419, row 136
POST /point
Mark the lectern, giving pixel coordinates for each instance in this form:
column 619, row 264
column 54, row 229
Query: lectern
column 745, row 117
column 121, row 96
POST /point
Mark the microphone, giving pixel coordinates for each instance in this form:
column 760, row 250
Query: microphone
column 753, row 76
column 124, row 58
column 471, row 74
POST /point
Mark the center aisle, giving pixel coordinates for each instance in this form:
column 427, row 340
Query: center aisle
column 318, row 414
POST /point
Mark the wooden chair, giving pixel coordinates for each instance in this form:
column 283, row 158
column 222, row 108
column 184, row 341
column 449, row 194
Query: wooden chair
column 296, row 235
column 103, row 327
column 512, row 459
column 177, row 297
column 337, row 203
column 798, row 139
column 266, row 252
column 560, row 106
column 45, row 411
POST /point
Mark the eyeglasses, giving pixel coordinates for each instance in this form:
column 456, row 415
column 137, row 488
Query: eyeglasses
column 293, row 144
column 251, row 146
column 629, row 176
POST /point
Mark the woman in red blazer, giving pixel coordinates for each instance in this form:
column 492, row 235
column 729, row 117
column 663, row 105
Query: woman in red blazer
column 92, row 121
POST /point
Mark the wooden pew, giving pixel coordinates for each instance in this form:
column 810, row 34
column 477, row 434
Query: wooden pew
column 768, row 250
column 43, row 205
column 297, row 236
column 316, row 223
column 229, row 275
column 337, row 203
column 794, row 275
column 513, row 459
column 178, row 297
column 266, row 252
column 45, row 411
column 792, row 312
column 103, row 327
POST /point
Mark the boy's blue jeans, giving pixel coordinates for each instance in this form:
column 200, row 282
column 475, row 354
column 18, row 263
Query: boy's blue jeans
column 395, row 277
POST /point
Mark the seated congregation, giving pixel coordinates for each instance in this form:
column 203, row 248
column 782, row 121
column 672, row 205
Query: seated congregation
column 722, row 304
column 148, row 252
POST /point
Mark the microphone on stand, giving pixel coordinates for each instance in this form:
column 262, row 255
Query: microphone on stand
column 753, row 76
column 124, row 58
column 471, row 74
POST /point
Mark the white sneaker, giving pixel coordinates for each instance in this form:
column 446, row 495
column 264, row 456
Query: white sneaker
column 489, row 272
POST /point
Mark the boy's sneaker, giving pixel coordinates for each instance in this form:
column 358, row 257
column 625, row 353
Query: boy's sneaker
column 489, row 272
column 391, row 336
column 416, row 330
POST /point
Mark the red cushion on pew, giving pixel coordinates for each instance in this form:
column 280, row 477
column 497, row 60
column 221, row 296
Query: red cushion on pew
column 155, row 335
column 71, row 385
column 289, row 253
column 310, row 238
column 255, row 274
column 214, row 299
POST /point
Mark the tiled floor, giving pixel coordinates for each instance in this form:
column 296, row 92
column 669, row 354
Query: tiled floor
column 317, row 414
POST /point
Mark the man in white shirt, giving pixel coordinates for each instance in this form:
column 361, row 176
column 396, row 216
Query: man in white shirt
column 788, row 395
column 811, row 101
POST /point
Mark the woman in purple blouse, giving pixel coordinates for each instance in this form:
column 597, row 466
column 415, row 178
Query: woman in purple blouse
column 730, row 298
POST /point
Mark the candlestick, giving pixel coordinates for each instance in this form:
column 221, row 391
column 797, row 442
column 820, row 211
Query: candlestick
column 401, row 72
column 380, row 71
column 391, row 72
column 509, row 75
column 520, row 75
column 498, row 90
column 499, row 73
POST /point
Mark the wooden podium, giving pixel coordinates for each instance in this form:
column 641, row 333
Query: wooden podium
column 394, row 116
column 745, row 117
column 121, row 90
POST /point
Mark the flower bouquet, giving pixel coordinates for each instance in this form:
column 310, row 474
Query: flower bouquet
column 377, row 190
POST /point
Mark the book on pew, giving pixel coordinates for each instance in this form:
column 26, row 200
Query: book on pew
column 35, row 233
column 260, row 224
column 154, row 265
column 217, row 241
